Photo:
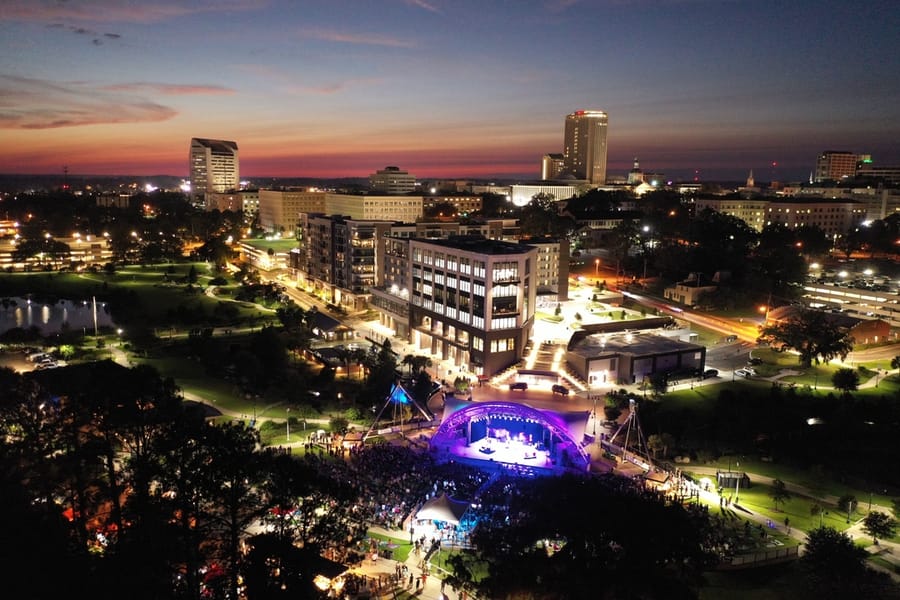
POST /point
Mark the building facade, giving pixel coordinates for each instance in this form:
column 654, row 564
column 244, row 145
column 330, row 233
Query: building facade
column 215, row 168
column 834, row 217
column 834, row 165
column 522, row 194
column 552, row 166
column 406, row 209
column 336, row 258
column 584, row 145
column 280, row 210
column 472, row 300
column 392, row 181
column 464, row 205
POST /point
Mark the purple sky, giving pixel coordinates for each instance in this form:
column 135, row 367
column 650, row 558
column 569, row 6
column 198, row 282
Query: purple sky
column 446, row 88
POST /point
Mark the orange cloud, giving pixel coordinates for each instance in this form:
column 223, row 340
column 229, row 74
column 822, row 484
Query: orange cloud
column 116, row 11
column 367, row 39
column 426, row 5
column 38, row 104
column 171, row 89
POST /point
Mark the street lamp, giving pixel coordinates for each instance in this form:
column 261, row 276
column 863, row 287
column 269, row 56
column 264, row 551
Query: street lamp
column 597, row 266
column 737, row 490
column 287, row 422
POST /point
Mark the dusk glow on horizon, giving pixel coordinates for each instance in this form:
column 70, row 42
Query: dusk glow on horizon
column 446, row 88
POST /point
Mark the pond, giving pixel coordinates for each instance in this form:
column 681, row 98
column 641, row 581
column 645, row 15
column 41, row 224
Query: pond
column 49, row 316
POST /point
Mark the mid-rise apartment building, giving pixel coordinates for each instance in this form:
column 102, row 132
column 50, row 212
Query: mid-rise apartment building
column 336, row 258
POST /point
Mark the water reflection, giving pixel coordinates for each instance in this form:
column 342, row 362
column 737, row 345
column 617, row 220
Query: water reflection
column 49, row 318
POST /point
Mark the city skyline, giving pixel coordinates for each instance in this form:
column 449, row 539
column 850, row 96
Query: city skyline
column 446, row 89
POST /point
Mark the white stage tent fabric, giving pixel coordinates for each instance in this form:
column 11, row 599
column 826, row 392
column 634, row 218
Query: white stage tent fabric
column 443, row 508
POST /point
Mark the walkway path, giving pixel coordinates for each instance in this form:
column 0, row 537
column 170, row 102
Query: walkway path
column 431, row 590
column 887, row 550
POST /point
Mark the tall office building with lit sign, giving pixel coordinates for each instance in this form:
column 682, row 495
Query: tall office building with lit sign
column 584, row 146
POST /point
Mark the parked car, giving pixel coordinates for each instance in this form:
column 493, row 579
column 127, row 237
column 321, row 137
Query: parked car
column 754, row 360
column 710, row 373
column 743, row 373
column 560, row 389
column 518, row 385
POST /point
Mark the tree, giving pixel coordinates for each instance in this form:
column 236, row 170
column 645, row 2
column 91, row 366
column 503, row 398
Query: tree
column 832, row 560
column 816, row 509
column 815, row 336
column 778, row 492
column 660, row 442
column 879, row 525
column 846, row 380
column 895, row 362
column 546, row 552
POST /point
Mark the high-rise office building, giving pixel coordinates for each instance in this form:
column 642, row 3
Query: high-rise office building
column 214, row 168
column 834, row 166
column 584, row 146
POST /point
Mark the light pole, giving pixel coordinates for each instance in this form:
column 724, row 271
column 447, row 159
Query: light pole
column 737, row 490
column 597, row 267
column 287, row 423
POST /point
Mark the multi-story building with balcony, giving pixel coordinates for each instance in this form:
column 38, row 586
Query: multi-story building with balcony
column 336, row 258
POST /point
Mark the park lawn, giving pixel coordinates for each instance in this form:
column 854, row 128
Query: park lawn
column 401, row 547
column 157, row 289
column 70, row 286
column 548, row 317
column 818, row 484
column 796, row 508
column 285, row 245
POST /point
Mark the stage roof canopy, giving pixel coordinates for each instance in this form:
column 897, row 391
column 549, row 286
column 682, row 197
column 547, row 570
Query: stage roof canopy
column 443, row 508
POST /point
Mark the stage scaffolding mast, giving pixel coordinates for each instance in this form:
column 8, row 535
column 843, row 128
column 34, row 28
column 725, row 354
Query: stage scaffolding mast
column 398, row 398
column 632, row 427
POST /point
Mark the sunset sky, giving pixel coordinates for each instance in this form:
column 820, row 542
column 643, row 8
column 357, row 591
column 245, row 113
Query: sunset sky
column 446, row 88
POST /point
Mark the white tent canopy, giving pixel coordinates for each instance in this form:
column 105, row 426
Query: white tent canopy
column 443, row 508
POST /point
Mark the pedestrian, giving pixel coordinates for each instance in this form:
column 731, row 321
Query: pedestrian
column 410, row 580
column 418, row 584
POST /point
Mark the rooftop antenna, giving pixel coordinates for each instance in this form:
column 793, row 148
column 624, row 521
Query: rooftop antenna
column 65, row 177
